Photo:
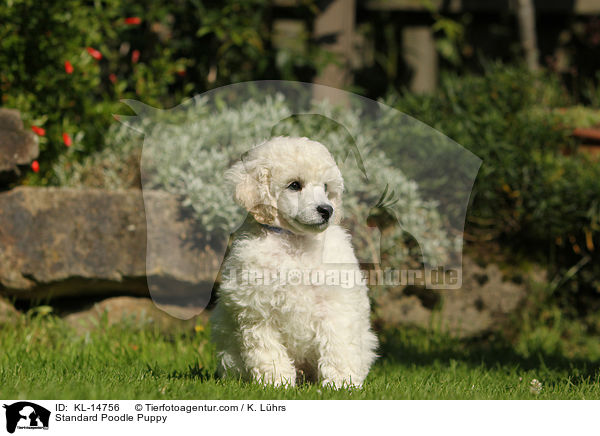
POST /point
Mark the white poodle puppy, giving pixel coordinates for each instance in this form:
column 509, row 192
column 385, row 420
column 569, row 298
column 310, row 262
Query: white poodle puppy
column 286, row 309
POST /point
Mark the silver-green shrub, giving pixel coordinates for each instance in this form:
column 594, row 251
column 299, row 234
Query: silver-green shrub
column 187, row 151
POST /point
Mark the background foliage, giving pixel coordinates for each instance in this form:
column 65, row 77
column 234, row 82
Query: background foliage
column 534, row 192
column 67, row 64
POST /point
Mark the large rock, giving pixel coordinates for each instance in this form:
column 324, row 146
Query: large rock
column 17, row 146
column 59, row 242
column 484, row 304
column 137, row 312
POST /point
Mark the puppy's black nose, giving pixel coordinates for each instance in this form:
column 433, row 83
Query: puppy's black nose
column 325, row 210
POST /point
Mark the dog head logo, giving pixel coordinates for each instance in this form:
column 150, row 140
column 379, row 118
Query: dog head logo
column 406, row 186
column 26, row 415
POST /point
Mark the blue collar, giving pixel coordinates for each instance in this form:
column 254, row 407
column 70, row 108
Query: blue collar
column 276, row 229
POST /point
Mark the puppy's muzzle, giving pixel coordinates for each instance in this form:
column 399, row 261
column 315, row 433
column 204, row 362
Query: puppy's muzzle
column 325, row 211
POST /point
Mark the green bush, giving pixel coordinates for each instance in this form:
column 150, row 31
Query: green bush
column 35, row 44
column 167, row 50
column 529, row 195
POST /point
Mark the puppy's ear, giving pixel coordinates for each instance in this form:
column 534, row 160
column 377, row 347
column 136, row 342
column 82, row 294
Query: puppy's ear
column 252, row 190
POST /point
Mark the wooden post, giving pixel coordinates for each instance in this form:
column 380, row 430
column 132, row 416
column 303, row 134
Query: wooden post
column 335, row 26
column 526, row 16
column 420, row 54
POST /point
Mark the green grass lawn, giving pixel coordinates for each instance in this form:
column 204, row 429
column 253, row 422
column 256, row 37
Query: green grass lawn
column 42, row 358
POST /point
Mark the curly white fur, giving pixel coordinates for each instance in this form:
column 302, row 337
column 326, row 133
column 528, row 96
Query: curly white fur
column 280, row 331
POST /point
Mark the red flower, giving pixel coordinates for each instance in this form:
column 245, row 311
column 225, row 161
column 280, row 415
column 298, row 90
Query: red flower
column 181, row 73
column 67, row 139
column 135, row 56
column 68, row 67
column 94, row 53
column 133, row 20
column 112, row 77
column 35, row 166
column 38, row 131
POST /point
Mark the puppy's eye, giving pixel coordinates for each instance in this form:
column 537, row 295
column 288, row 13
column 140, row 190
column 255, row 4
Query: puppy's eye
column 295, row 186
column 325, row 186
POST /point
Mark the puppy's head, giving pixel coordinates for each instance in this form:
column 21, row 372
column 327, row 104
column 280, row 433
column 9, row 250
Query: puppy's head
column 291, row 183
